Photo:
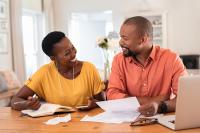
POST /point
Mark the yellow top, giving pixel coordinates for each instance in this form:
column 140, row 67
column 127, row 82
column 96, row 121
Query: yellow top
column 49, row 84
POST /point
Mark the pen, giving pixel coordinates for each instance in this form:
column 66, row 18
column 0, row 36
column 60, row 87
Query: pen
column 19, row 102
column 34, row 96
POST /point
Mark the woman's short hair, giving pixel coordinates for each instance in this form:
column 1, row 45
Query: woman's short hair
column 50, row 40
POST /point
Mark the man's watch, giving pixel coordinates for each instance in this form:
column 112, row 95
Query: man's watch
column 162, row 107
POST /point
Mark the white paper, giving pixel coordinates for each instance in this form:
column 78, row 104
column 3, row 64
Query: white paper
column 116, row 111
column 125, row 104
column 45, row 109
column 113, row 117
column 58, row 120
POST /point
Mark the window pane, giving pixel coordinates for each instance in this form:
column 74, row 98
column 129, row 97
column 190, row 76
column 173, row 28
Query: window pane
column 28, row 28
column 84, row 29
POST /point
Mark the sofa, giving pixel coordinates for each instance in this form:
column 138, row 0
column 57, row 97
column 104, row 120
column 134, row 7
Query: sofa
column 9, row 86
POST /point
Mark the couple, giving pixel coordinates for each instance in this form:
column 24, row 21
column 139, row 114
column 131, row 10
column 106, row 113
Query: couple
column 142, row 70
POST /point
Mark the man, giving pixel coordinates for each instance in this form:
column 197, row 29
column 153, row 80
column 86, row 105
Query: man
column 144, row 70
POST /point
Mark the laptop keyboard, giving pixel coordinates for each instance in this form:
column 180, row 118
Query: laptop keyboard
column 173, row 121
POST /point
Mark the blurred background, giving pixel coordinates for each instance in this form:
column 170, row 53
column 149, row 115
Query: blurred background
column 24, row 23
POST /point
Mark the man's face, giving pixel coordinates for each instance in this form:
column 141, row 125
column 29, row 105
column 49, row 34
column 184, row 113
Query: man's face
column 129, row 42
column 64, row 52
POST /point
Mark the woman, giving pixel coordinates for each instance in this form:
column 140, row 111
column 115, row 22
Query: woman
column 64, row 81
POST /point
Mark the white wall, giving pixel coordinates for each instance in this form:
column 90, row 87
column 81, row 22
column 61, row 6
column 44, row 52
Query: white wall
column 6, row 58
column 11, row 59
column 183, row 17
column 183, row 26
column 84, row 39
column 35, row 5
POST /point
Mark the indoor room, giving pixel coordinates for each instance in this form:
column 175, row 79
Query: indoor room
column 99, row 66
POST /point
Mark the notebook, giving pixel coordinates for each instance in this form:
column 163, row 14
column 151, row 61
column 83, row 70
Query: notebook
column 47, row 109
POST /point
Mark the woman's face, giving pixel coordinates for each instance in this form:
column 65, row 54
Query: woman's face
column 64, row 52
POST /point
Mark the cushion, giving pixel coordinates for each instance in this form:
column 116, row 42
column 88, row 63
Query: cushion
column 3, row 84
column 11, row 79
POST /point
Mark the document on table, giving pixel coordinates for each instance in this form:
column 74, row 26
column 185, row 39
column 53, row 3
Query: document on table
column 125, row 104
column 116, row 111
column 58, row 120
column 113, row 117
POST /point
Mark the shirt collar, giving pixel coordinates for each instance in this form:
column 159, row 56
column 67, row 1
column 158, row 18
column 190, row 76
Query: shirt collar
column 153, row 53
column 151, row 56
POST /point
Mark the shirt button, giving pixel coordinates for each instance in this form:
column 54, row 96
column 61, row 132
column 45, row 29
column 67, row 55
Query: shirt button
column 143, row 69
column 144, row 84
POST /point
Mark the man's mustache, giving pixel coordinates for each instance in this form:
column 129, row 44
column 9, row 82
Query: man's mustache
column 122, row 46
column 129, row 52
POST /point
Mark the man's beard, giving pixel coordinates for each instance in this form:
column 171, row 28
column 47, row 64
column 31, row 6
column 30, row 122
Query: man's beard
column 128, row 52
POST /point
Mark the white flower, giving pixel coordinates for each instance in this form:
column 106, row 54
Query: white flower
column 102, row 42
column 109, row 43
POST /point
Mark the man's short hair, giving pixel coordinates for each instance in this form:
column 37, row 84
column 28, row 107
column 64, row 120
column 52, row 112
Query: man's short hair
column 50, row 40
column 142, row 24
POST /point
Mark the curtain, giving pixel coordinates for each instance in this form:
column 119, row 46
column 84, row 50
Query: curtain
column 48, row 11
column 16, row 39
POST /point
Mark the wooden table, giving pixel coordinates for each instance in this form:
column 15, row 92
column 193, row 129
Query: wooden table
column 11, row 121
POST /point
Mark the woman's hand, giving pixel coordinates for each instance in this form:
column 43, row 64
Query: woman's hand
column 91, row 105
column 33, row 103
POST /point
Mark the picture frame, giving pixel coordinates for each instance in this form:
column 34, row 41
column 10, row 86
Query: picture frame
column 3, row 9
column 3, row 42
column 3, row 25
column 4, row 29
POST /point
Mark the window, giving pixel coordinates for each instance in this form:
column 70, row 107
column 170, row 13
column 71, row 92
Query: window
column 32, row 32
column 84, row 29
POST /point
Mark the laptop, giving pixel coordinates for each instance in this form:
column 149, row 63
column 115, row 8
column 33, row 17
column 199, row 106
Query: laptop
column 187, row 113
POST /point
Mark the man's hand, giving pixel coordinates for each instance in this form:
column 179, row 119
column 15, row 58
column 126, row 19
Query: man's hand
column 149, row 109
column 146, row 100
column 150, row 105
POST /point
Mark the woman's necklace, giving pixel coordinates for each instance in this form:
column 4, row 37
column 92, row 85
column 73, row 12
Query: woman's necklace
column 73, row 78
column 60, row 80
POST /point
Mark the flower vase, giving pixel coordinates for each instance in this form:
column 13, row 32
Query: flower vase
column 106, row 70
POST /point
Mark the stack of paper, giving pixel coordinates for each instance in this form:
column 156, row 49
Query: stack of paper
column 116, row 111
